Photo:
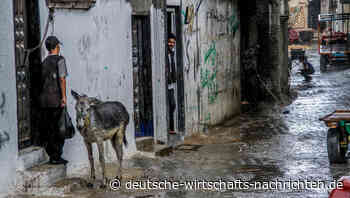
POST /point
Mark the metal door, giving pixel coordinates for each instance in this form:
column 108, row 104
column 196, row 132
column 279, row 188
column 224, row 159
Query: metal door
column 142, row 77
column 22, row 75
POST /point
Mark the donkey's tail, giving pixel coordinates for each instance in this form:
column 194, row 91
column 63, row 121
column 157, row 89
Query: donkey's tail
column 125, row 141
column 125, row 124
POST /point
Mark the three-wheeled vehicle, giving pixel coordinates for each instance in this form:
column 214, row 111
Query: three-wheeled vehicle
column 333, row 41
column 338, row 135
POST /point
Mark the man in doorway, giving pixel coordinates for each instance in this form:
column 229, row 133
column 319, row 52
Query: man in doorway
column 172, row 77
column 53, row 99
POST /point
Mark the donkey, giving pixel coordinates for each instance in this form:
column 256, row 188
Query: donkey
column 98, row 121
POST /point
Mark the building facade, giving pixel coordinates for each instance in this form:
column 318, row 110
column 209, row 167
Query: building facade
column 116, row 50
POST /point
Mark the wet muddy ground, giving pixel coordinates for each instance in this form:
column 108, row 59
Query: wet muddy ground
column 276, row 144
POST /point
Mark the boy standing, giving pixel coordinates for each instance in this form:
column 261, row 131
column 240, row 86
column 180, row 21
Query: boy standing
column 53, row 98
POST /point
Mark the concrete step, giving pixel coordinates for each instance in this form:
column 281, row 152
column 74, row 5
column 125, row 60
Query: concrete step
column 30, row 157
column 38, row 179
column 146, row 146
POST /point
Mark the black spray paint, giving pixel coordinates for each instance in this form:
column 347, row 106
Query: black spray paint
column 2, row 104
column 4, row 137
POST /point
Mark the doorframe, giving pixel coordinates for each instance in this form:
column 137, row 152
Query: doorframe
column 29, row 40
column 180, row 87
column 147, row 17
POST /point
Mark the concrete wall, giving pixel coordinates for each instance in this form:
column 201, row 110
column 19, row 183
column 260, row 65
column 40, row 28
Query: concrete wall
column 8, row 105
column 158, row 74
column 97, row 48
column 211, row 63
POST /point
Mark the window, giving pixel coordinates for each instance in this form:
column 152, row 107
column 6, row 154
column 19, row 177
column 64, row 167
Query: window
column 71, row 4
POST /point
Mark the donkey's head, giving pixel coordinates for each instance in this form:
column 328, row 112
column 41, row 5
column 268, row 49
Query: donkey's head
column 82, row 106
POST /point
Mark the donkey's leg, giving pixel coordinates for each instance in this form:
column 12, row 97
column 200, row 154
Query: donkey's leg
column 119, row 147
column 91, row 160
column 114, row 142
column 102, row 160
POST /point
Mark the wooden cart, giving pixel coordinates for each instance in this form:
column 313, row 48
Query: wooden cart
column 338, row 135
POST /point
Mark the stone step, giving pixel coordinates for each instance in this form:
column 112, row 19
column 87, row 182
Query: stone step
column 38, row 179
column 146, row 146
column 30, row 157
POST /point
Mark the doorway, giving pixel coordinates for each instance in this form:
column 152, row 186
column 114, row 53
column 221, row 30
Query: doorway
column 142, row 76
column 27, row 35
column 174, row 26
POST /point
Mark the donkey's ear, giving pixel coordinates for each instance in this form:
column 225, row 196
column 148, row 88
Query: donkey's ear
column 75, row 95
column 94, row 101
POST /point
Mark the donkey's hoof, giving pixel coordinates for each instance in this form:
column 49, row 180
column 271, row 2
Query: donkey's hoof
column 103, row 186
column 90, row 185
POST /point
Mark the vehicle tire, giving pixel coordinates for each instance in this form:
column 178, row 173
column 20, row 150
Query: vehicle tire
column 323, row 63
column 336, row 154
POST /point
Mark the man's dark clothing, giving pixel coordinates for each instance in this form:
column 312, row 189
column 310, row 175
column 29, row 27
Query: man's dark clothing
column 53, row 68
column 50, row 96
column 172, row 106
column 171, row 77
column 54, row 142
column 171, row 69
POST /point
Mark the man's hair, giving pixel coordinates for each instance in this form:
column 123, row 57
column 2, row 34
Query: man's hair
column 171, row 36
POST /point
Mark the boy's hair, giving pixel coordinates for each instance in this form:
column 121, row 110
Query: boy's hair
column 51, row 43
column 171, row 36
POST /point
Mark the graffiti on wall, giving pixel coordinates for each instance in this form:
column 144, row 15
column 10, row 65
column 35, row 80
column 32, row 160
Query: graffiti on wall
column 233, row 24
column 212, row 26
column 190, row 15
column 2, row 103
column 208, row 75
column 4, row 137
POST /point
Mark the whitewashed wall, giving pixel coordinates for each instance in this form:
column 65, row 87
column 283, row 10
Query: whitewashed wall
column 158, row 74
column 97, row 48
column 8, row 104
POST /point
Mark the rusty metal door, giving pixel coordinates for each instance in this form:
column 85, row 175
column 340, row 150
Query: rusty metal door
column 22, row 75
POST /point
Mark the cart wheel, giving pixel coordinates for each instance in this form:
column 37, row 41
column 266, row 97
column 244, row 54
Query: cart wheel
column 336, row 154
column 323, row 63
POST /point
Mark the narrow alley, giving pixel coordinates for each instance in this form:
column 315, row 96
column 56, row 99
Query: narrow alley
column 173, row 98
column 268, row 144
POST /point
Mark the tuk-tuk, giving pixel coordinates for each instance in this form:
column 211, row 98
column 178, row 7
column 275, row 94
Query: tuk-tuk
column 333, row 39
